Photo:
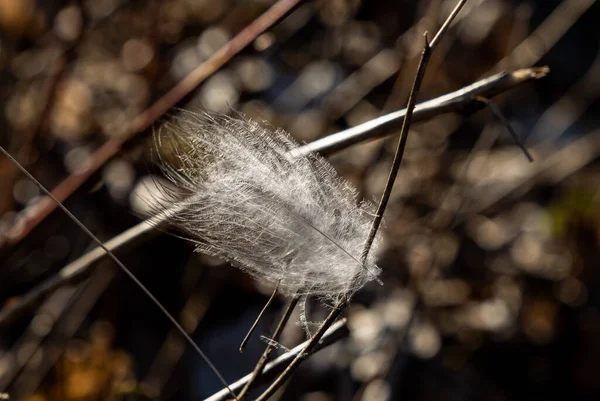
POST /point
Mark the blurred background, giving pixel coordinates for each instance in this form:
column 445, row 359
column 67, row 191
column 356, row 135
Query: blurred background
column 490, row 263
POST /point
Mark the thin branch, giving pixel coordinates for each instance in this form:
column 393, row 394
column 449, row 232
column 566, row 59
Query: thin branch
column 122, row 266
column 262, row 312
column 498, row 113
column 462, row 100
column 402, row 141
column 81, row 267
column 438, row 36
column 333, row 315
column 258, row 369
column 144, row 120
column 396, row 98
column 200, row 295
column 337, row 331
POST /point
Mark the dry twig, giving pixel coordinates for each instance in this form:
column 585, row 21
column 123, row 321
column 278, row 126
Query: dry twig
column 333, row 315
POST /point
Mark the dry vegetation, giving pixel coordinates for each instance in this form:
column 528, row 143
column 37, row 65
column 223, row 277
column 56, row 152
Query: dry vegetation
column 489, row 261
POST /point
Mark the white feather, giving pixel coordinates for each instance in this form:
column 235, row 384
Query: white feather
column 283, row 219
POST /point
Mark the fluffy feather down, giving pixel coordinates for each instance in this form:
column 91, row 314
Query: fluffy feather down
column 285, row 220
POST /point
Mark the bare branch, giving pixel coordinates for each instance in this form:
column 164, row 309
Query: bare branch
column 380, row 210
column 338, row 331
column 462, row 100
column 258, row 369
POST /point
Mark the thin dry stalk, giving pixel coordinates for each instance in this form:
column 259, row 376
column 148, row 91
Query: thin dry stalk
column 124, row 268
column 260, row 315
column 428, row 48
column 463, row 100
column 338, row 331
column 258, row 369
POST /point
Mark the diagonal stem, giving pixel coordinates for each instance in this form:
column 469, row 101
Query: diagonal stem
column 498, row 113
column 342, row 303
column 425, row 56
column 338, row 331
column 462, row 101
column 260, row 315
column 306, row 351
column 123, row 268
column 258, row 369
